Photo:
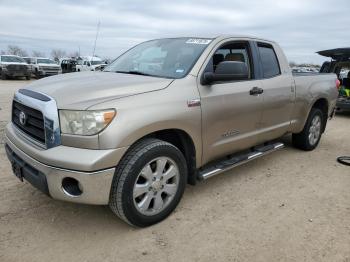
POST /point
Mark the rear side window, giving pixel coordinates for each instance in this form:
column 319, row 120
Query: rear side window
column 269, row 61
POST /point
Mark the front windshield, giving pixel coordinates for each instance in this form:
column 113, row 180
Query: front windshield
column 96, row 62
column 13, row 59
column 169, row 58
column 45, row 61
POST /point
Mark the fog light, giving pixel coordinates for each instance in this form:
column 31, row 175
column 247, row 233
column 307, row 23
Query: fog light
column 71, row 187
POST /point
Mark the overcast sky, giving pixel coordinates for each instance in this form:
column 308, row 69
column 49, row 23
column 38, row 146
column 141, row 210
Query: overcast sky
column 300, row 27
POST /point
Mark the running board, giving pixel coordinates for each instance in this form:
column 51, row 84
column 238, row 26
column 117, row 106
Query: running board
column 237, row 160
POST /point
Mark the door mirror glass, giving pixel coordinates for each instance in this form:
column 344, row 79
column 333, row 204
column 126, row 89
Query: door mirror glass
column 227, row 71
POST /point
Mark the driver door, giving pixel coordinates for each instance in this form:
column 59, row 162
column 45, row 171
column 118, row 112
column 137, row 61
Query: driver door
column 230, row 113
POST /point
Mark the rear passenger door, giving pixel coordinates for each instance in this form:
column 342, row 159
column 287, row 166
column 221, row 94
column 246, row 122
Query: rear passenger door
column 279, row 93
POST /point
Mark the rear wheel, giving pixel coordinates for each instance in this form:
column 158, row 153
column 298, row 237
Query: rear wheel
column 3, row 76
column 28, row 77
column 310, row 136
column 149, row 183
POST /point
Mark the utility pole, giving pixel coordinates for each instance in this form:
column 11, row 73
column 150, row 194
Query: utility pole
column 98, row 29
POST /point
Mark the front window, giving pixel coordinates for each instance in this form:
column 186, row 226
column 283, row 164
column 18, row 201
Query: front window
column 12, row 59
column 28, row 60
column 168, row 58
column 235, row 51
column 45, row 61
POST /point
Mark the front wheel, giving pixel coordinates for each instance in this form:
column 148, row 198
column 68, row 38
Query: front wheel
column 310, row 136
column 148, row 183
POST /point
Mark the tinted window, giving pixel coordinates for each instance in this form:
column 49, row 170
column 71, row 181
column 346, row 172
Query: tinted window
column 96, row 62
column 269, row 61
column 45, row 61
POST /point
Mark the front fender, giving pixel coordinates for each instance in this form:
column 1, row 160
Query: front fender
column 143, row 114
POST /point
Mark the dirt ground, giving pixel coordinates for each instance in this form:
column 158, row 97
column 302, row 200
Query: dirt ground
column 287, row 206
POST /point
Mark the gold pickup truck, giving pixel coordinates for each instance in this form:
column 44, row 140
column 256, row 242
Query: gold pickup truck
column 165, row 113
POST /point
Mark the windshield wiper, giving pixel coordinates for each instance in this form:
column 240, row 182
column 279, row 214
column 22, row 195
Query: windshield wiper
column 134, row 72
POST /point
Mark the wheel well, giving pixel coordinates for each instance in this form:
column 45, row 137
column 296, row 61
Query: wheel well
column 322, row 104
column 184, row 143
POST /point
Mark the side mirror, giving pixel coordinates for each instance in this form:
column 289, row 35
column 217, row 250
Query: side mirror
column 226, row 71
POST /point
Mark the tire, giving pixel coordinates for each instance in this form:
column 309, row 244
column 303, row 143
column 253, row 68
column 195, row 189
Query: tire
column 310, row 136
column 36, row 73
column 140, row 209
column 28, row 77
column 3, row 76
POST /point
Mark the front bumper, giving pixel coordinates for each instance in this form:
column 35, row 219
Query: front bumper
column 95, row 186
column 16, row 73
column 48, row 73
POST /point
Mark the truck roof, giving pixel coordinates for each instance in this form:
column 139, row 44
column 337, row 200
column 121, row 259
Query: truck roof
column 11, row 55
column 337, row 53
column 223, row 36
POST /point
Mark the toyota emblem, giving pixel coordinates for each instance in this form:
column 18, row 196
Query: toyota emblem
column 22, row 118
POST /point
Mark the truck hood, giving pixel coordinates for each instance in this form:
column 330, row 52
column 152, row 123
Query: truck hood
column 82, row 90
column 14, row 63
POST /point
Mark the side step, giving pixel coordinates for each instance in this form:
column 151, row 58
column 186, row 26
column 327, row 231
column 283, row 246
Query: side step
column 237, row 160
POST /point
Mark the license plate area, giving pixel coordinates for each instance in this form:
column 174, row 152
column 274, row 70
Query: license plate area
column 17, row 170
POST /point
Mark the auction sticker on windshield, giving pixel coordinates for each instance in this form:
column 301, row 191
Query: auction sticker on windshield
column 198, row 41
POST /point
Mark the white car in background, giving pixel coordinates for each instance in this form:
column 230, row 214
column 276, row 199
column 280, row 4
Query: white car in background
column 42, row 66
column 90, row 63
column 14, row 66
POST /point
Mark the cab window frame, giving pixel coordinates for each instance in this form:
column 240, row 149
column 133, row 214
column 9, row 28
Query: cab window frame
column 251, row 54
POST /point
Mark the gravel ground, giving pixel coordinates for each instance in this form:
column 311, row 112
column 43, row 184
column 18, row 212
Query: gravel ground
column 287, row 206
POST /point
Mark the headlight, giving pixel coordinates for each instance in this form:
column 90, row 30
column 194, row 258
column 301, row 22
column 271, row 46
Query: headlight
column 85, row 123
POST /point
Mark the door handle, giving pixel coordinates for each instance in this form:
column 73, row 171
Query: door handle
column 256, row 91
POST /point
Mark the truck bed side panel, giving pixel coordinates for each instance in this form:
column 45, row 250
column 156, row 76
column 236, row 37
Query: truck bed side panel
column 310, row 88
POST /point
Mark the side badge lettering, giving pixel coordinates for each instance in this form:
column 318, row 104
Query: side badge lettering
column 193, row 102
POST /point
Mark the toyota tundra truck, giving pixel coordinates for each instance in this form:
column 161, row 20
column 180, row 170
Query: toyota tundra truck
column 165, row 113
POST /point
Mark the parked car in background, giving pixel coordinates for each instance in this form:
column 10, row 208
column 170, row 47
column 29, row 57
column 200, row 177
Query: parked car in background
column 41, row 66
column 14, row 66
column 165, row 113
column 68, row 65
column 89, row 63
column 340, row 65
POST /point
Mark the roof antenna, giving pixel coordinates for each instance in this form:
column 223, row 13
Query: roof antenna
column 98, row 29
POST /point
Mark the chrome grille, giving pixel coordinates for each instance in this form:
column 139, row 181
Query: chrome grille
column 32, row 122
column 19, row 68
